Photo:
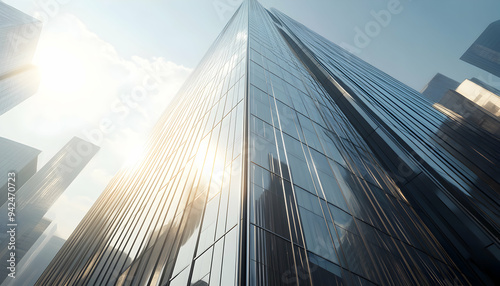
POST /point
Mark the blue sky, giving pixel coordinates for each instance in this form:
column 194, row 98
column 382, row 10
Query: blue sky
column 424, row 38
column 106, row 49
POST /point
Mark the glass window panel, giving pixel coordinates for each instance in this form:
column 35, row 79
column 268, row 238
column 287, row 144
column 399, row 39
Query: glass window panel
column 190, row 233
column 307, row 200
column 321, row 162
column 293, row 215
column 344, row 178
column 257, row 76
column 330, row 144
column 229, row 150
column 300, row 172
column 220, row 109
column 317, row 235
column 332, row 190
column 297, row 102
column 201, row 268
column 215, row 272
column 336, row 243
column 224, row 200
column 230, row 98
column 230, row 260
column 262, row 128
column 267, row 206
column 262, row 151
column 202, row 282
column 281, row 94
column 255, row 56
column 233, row 212
column 342, row 218
column 273, row 259
column 324, row 272
column 208, row 228
column 293, row 147
column 181, row 279
column 356, row 253
column 288, row 119
column 261, row 110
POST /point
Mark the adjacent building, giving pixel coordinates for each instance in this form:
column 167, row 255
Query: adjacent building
column 285, row 160
column 19, row 35
column 37, row 258
column 38, row 194
column 18, row 158
column 483, row 95
column 472, row 101
column 484, row 53
column 438, row 86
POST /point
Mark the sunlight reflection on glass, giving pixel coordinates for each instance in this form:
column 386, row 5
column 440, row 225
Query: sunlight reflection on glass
column 135, row 155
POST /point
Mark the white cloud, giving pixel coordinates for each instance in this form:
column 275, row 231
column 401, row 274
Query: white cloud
column 101, row 176
column 83, row 77
column 85, row 82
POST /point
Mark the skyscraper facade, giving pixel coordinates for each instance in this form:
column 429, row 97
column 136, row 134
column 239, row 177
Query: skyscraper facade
column 484, row 53
column 450, row 177
column 19, row 35
column 37, row 195
column 270, row 168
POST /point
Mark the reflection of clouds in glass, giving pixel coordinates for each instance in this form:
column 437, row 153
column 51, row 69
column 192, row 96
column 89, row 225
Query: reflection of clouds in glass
column 242, row 36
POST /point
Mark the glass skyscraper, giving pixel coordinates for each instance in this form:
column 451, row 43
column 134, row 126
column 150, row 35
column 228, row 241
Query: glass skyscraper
column 19, row 158
column 484, row 53
column 19, row 34
column 37, row 195
column 285, row 160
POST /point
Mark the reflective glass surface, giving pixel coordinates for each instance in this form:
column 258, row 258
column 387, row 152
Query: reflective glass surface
column 258, row 174
column 445, row 167
column 19, row 35
column 175, row 217
column 344, row 220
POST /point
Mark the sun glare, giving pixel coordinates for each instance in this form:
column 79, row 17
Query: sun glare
column 134, row 156
column 60, row 69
